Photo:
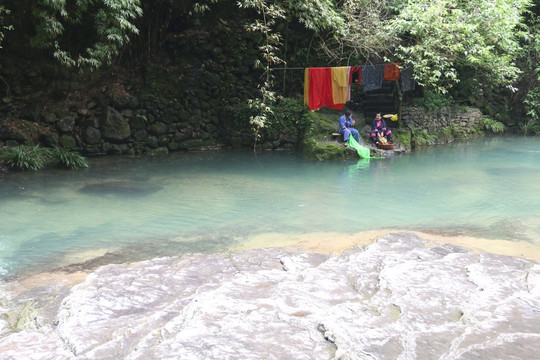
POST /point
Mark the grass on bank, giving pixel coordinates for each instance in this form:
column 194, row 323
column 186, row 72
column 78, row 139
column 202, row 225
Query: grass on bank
column 34, row 158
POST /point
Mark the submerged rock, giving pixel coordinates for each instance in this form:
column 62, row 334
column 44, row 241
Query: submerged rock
column 120, row 188
column 394, row 299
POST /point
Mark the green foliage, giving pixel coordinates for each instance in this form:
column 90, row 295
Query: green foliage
column 528, row 126
column 420, row 137
column 290, row 116
column 25, row 157
column 402, row 137
column 242, row 113
column 530, row 62
column 532, row 67
column 269, row 13
column 3, row 23
column 532, row 101
column 434, row 101
column 286, row 116
column 316, row 15
column 34, row 158
column 113, row 22
column 440, row 36
column 460, row 133
column 444, row 135
column 68, row 159
column 325, row 122
column 493, row 125
column 359, row 32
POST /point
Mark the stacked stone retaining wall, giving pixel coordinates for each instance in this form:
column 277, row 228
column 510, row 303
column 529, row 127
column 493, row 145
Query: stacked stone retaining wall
column 463, row 119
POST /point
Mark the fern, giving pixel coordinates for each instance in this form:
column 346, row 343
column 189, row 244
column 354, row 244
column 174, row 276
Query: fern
column 25, row 157
column 493, row 125
column 68, row 159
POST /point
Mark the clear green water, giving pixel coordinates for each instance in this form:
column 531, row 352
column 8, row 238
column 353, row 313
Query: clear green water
column 139, row 208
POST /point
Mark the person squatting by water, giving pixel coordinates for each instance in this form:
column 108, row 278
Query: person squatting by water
column 379, row 129
column 346, row 124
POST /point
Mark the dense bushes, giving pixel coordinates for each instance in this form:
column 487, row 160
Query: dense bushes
column 288, row 118
column 493, row 125
column 433, row 100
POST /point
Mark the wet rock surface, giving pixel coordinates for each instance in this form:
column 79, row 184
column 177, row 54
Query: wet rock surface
column 399, row 298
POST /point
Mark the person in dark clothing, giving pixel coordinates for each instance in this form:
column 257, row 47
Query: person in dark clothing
column 379, row 129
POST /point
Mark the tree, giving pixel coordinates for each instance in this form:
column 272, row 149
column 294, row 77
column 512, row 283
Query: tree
column 532, row 78
column 4, row 26
column 360, row 34
column 438, row 37
column 315, row 15
column 83, row 33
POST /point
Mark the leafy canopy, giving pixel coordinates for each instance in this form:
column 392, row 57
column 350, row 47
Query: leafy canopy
column 3, row 25
column 112, row 22
column 439, row 36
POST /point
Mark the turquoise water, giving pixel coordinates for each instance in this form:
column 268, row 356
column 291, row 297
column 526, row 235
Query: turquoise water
column 139, row 208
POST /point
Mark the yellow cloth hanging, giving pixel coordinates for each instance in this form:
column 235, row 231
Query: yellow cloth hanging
column 306, row 86
column 340, row 81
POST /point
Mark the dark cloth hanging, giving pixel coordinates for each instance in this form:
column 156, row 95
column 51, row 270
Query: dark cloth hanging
column 406, row 79
column 320, row 89
column 391, row 72
column 372, row 77
column 356, row 76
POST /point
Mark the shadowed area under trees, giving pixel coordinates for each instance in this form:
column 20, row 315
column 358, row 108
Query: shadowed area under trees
column 202, row 71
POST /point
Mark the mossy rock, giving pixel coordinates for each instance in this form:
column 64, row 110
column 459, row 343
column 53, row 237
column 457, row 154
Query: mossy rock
column 67, row 142
column 324, row 150
column 159, row 151
column 444, row 135
column 194, row 144
column 403, row 138
column 325, row 122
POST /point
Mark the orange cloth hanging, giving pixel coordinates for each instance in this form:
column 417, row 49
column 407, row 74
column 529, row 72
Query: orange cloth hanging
column 391, row 71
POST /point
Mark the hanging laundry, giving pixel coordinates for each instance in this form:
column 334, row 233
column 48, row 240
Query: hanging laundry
column 391, row 72
column 306, row 86
column 356, row 74
column 319, row 89
column 406, row 79
column 340, row 83
column 349, row 82
column 372, row 77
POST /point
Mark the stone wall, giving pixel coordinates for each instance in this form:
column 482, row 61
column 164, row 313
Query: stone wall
column 463, row 119
column 184, row 99
column 127, row 124
column 191, row 100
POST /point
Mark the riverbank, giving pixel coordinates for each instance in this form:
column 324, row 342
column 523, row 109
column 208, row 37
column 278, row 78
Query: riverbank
column 336, row 243
column 312, row 296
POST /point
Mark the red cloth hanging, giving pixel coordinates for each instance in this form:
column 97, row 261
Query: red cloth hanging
column 391, row 71
column 358, row 69
column 320, row 89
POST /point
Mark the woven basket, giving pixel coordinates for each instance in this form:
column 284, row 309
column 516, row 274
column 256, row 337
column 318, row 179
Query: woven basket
column 389, row 146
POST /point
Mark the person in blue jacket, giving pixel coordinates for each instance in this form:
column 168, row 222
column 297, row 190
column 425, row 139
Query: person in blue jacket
column 379, row 129
column 346, row 129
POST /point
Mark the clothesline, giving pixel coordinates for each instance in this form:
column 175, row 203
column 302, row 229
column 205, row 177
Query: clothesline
column 302, row 68
column 331, row 86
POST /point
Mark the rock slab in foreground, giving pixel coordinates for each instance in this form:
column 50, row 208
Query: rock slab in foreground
column 394, row 299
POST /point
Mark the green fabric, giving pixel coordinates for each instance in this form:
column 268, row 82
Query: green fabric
column 363, row 151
